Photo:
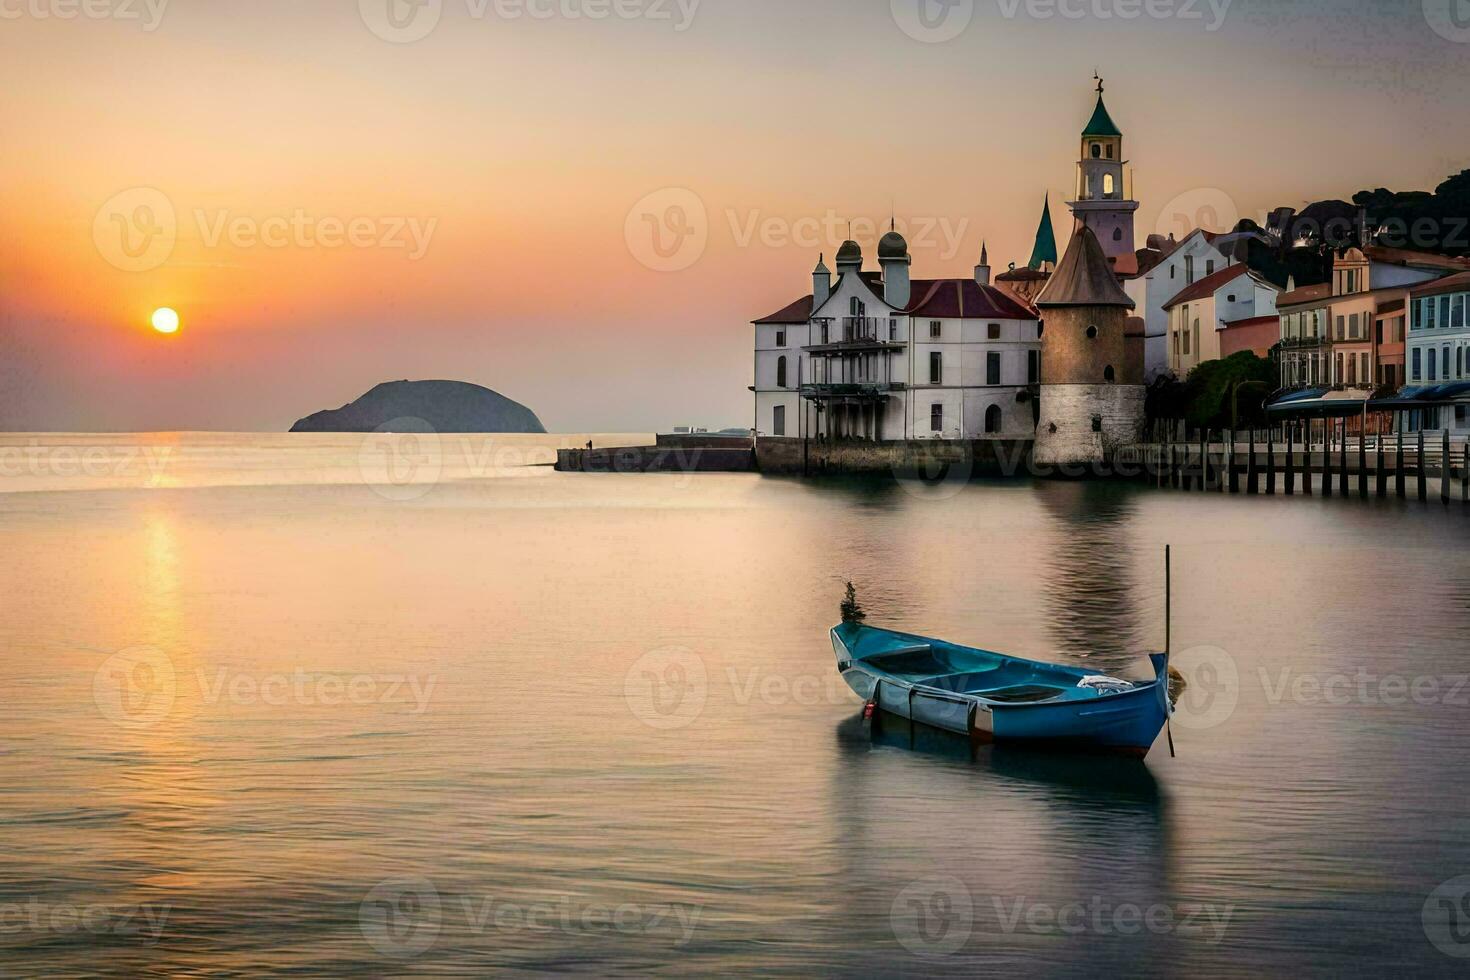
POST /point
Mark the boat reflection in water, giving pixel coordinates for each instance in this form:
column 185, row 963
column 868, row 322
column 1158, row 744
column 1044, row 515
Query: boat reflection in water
column 977, row 860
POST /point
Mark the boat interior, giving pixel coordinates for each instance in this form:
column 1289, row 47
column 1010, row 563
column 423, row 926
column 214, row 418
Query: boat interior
column 976, row 672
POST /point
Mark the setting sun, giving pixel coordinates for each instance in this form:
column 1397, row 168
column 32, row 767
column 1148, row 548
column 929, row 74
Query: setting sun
column 165, row 320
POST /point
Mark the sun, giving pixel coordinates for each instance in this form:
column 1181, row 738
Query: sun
column 165, row 320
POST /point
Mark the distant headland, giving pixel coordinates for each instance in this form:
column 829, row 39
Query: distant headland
column 448, row 406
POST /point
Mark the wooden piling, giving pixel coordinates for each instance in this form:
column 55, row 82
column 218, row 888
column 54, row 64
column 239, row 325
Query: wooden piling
column 1423, row 481
column 1232, row 473
column 1326, row 457
column 1363, row 463
column 1270, row 462
column 1342, row 458
column 1445, row 469
column 1465, row 476
column 1290, row 460
column 1250, row 463
column 1398, row 472
column 1379, row 473
column 1204, row 460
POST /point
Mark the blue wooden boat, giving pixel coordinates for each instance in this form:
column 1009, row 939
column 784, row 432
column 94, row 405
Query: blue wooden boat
column 993, row 697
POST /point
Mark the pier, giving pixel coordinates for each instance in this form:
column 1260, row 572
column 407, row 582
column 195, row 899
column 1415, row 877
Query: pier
column 1298, row 460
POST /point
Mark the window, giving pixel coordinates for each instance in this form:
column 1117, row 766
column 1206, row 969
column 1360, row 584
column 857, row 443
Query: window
column 778, row 420
column 781, row 337
column 1446, row 361
column 1459, row 362
column 1390, row 375
column 1209, row 267
column 1418, row 363
column 826, row 332
column 1092, row 331
column 1341, row 327
column 1457, row 318
column 1172, row 270
column 936, row 329
column 1033, row 367
column 1110, row 151
column 1108, row 375
column 1189, row 269
column 1444, row 311
column 1097, row 423
column 992, row 419
column 1352, row 363
column 1096, row 151
column 1341, row 371
column 781, row 372
column 1198, row 350
column 1117, row 234
column 936, row 418
column 992, row 331
column 1379, row 334
column 1107, row 185
column 936, row 368
column 992, row 368
column 1230, row 298
column 892, row 329
column 1185, row 332
column 1433, row 367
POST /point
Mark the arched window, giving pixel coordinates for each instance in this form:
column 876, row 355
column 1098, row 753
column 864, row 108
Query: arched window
column 1117, row 234
column 1108, row 375
column 992, row 419
column 780, row 372
column 1108, row 185
column 1092, row 332
column 1096, row 150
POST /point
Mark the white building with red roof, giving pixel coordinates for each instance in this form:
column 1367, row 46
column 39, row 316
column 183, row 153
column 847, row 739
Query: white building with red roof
column 881, row 356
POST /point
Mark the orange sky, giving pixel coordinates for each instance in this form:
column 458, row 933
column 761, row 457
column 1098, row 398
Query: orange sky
column 517, row 148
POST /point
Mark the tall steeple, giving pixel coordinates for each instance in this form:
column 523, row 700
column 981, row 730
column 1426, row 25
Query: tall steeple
column 1045, row 250
column 1101, row 203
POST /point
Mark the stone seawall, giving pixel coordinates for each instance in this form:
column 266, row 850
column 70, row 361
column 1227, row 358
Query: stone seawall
column 985, row 457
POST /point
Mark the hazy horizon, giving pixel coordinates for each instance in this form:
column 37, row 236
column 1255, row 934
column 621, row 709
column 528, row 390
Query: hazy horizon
column 331, row 209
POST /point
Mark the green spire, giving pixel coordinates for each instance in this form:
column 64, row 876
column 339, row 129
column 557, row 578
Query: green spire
column 1046, row 239
column 1101, row 124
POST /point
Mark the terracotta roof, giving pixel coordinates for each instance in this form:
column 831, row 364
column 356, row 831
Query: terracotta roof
column 1450, row 284
column 1207, row 286
column 963, row 298
column 1083, row 277
column 1306, row 294
column 1408, row 257
column 1393, row 306
column 1252, row 321
column 798, row 312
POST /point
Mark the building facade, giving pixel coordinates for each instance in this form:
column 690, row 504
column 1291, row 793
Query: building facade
column 883, row 357
column 1103, row 202
column 1438, row 348
column 1183, row 264
column 1199, row 314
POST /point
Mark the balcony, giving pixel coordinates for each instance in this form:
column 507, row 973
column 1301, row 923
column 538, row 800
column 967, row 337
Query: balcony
column 857, row 334
column 852, row 390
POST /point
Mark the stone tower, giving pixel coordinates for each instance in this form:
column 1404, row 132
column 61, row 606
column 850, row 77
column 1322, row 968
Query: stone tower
column 1092, row 392
column 1101, row 202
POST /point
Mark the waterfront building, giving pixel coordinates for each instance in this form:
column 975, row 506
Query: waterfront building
column 1439, row 349
column 1092, row 393
column 1305, row 344
column 1199, row 313
column 1180, row 264
column 881, row 356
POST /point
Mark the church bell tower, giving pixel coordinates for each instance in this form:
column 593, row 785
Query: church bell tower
column 1102, row 202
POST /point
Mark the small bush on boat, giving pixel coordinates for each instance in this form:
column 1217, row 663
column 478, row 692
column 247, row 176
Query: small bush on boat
column 852, row 611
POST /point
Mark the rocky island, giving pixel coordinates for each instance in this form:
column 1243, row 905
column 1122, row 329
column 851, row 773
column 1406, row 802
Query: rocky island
column 447, row 406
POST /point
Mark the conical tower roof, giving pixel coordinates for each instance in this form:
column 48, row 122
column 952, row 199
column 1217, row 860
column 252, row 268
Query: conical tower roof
column 1045, row 249
column 1084, row 277
column 1101, row 124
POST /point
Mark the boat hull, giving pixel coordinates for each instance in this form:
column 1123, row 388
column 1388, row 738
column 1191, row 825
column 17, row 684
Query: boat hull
column 1126, row 722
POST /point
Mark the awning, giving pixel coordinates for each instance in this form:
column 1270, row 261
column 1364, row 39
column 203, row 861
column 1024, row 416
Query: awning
column 1424, row 396
column 1319, row 403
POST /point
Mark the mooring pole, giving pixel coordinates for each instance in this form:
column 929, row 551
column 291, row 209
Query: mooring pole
column 1445, row 468
column 1290, row 460
column 1342, row 458
column 1270, row 461
column 1363, row 462
column 1204, row 459
column 1423, row 480
column 1379, row 473
column 1398, row 464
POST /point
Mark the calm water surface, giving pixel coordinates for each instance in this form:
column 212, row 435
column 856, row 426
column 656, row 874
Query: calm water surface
column 263, row 718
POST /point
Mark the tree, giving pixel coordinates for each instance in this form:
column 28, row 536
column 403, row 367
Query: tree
column 1220, row 394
